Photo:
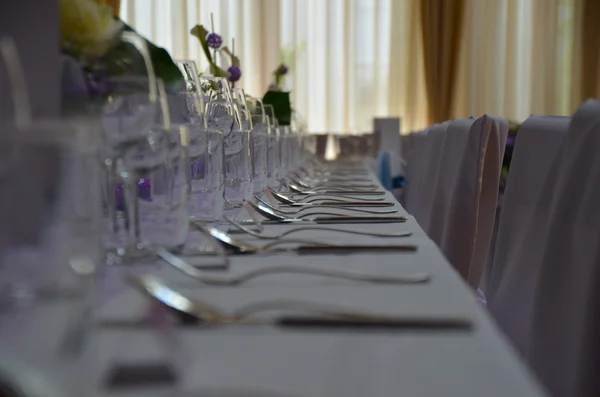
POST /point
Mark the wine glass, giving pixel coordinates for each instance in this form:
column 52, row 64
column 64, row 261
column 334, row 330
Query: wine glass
column 259, row 146
column 231, row 118
column 273, row 159
column 193, row 90
column 207, row 173
column 51, row 228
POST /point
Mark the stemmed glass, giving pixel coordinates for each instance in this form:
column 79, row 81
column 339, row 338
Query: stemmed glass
column 260, row 142
column 193, row 90
column 49, row 239
column 207, row 181
column 236, row 141
column 147, row 188
column 273, row 148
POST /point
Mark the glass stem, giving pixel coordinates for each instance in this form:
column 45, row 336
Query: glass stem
column 132, row 209
column 111, row 194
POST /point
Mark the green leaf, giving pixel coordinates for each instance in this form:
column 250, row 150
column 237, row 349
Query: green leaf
column 125, row 58
column 235, row 61
column 200, row 33
column 281, row 105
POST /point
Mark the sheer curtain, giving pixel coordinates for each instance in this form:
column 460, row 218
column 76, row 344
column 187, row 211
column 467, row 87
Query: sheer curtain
column 351, row 62
column 516, row 59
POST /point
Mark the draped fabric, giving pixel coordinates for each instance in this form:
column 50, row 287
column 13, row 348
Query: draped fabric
column 586, row 76
column 421, row 60
column 441, row 23
column 517, row 58
column 353, row 59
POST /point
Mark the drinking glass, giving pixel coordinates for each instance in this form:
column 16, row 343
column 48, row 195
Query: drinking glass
column 49, row 241
column 273, row 148
column 50, row 228
column 155, row 174
column 286, row 150
column 207, row 173
column 259, row 148
column 193, row 90
column 239, row 172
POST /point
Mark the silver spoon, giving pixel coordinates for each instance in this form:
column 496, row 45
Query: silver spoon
column 278, row 198
column 200, row 276
column 327, row 315
column 314, row 247
column 340, row 219
column 301, row 209
column 251, row 232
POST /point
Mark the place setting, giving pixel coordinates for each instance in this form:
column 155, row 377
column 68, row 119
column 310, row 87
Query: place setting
column 222, row 203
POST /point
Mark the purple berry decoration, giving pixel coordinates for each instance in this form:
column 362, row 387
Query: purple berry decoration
column 235, row 73
column 283, row 69
column 214, row 41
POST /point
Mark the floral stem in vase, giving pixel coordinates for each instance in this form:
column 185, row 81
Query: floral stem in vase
column 232, row 57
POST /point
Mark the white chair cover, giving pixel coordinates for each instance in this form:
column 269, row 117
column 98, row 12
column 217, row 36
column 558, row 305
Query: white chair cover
column 466, row 193
column 565, row 341
column 448, row 171
column 414, row 170
column 426, row 157
column 508, row 282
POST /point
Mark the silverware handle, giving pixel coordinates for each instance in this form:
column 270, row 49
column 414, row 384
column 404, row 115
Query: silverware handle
column 348, row 192
column 325, row 220
column 349, row 249
column 457, row 324
column 356, row 203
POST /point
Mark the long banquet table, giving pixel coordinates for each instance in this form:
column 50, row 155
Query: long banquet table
column 271, row 361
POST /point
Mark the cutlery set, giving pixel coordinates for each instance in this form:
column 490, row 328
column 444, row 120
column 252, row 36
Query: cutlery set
column 323, row 192
column 192, row 311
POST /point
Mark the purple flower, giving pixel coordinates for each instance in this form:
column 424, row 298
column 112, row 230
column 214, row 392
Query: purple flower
column 214, row 41
column 235, row 73
column 283, row 69
column 511, row 141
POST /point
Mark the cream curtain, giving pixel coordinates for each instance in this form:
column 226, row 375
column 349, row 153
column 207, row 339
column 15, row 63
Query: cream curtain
column 516, row 59
column 354, row 59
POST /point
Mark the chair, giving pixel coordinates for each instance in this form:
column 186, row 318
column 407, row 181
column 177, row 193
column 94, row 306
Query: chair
column 448, row 170
column 425, row 153
column 564, row 348
column 321, row 145
column 465, row 193
column 546, row 268
column 538, row 142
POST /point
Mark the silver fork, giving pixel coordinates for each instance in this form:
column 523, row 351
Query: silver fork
column 300, row 210
column 154, row 288
column 260, row 235
column 278, row 199
column 325, row 197
column 189, row 270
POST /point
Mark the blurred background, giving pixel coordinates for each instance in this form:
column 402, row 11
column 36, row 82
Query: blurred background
column 422, row 60
column 351, row 60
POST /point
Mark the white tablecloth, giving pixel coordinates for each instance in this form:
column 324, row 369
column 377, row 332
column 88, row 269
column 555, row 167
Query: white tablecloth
column 265, row 361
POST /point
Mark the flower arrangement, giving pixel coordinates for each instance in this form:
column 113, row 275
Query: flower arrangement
column 276, row 94
column 213, row 41
column 91, row 38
